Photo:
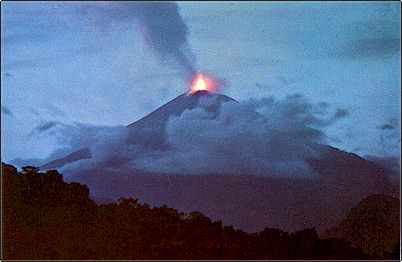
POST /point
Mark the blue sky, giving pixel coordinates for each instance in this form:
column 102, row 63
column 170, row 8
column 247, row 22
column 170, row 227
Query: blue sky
column 62, row 61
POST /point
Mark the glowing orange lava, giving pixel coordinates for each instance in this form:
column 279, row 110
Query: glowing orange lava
column 201, row 83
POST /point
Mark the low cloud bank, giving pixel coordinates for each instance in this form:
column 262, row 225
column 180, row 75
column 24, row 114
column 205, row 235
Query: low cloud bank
column 238, row 140
column 265, row 136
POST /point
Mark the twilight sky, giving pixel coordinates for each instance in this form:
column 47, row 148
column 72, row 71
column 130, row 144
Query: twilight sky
column 92, row 63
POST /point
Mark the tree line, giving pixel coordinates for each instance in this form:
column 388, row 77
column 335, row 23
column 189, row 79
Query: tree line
column 47, row 218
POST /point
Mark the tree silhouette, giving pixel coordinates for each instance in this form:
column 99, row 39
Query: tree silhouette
column 46, row 218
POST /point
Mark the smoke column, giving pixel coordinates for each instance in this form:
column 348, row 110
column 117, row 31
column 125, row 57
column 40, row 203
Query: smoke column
column 166, row 30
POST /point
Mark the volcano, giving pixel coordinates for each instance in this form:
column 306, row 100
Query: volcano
column 244, row 200
column 149, row 130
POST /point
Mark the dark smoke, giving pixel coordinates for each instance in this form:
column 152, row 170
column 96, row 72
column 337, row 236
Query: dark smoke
column 165, row 31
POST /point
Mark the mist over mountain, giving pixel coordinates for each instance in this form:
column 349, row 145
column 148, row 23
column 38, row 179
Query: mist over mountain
column 207, row 133
column 210, row 153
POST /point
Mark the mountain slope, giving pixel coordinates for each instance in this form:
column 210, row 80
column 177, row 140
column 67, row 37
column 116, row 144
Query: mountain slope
column 245, row 200
column 251, row 202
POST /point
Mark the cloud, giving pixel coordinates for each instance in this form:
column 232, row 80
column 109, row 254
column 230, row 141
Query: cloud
column 238, row 140
column 52, row 110
column 214, row 138
column 18, row 38
column 106, row 143
column 391, row 124
column 20, row 162
column 298, row 107
column 341, row 113
column 387, row 127
column 22, row 63
column 43, row 127
column 47, row 60
column 370, row 47
column 6, row 111
column 8, row 74
column 389, row 136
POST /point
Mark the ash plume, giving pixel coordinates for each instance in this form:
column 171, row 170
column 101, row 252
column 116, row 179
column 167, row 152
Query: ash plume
column 163, row 27
column 166, row 30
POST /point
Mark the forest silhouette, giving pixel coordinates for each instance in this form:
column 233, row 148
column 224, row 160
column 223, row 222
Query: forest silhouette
column 47, row 218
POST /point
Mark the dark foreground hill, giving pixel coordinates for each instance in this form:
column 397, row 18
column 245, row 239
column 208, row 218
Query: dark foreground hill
column 46, row 218
column 373, row 225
